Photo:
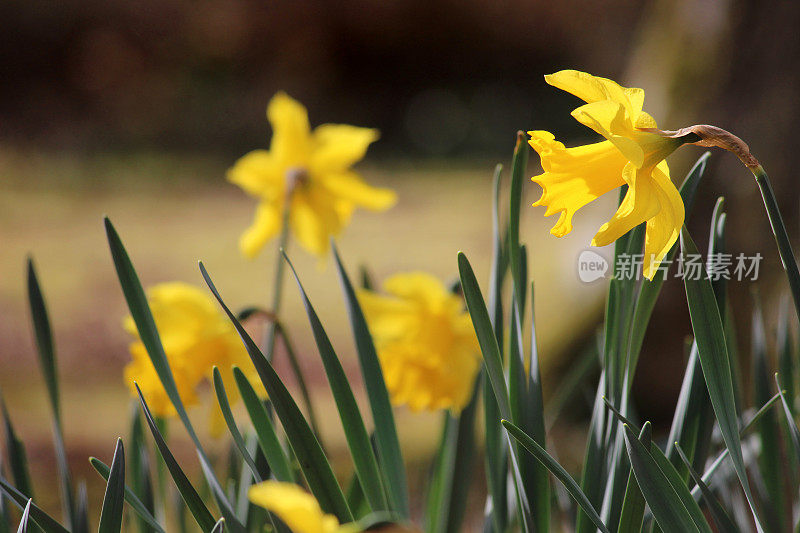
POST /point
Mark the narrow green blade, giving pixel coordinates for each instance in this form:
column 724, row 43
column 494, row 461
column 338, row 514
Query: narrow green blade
column 17, row 457
column 633, row 503
column 265, row 429
column 667, row 508
column 710, row 336
column 485, row 332
column 219, row 527
column 42, row 519
column 364, row 461
column 114, row 498
column 558, row 471
column 304, row 443
column 722, row 520
column 23, row 523
column 130, row 497
column 519, row 164
column 386, row 442
column 139, row 467
column 794, row 432
column 227, row 415
column 194, row 502
column 47, row 360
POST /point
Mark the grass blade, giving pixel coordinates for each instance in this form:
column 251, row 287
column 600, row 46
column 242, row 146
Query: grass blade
column 23, row 523
column 47, row 523
column 386, row 442
column 194, row 502
column 219, row 527
column 364, row 461
column 483, row 328
column 225, row 406
column 633, row 503
column 794, row 432
column 518, row 167
column 139, row 467
column 304, row 443
column 114, row 498
column 136, row 504
column 265, row 430
column 710, row 336
column 17, row 457
column 47, row 361
column 721, row 518
column 558, row 471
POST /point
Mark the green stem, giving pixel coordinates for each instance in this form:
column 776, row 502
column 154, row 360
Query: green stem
column 277, row 282
column 780, row 233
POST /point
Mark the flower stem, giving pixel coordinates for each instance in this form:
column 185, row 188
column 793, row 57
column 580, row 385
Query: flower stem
column 780, row 233
column 277, row 282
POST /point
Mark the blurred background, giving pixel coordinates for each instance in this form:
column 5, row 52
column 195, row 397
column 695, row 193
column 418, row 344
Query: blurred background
column 136, row 110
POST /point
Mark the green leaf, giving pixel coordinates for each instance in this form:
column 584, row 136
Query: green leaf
column 47, row 361
column 633, row 503
column 139, row 467
column 313, row 463
column 364, row 461
column 518, row 166
column 386, row 442
column 194, row 502
column 667, row 507
column 42, row 519
column 23, row 523
column 722, row 520
column 219, row 527
column 130, row 497
column 17, row 457
column 710, row 336
column 794, row 432
column 114, row 498
column 485, row 333
column 558, row 471
column 227, row 415
column 145, row 325
column 265, row 429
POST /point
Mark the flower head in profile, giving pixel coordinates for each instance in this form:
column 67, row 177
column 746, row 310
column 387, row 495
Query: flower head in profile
column 308, row 173
column 294, row 506
column 632, row 154
column 196, row 336
column 425, row 341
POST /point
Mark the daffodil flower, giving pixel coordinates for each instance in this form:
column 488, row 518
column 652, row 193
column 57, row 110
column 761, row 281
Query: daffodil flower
column 196, row 336
column 425, row 341
column 307, row 173
column 633, row 154
column 295, row 507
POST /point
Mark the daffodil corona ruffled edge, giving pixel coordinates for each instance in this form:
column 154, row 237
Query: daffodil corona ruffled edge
column 425, row 341
column 630, row 155
column 196, row 336
column 309, row 170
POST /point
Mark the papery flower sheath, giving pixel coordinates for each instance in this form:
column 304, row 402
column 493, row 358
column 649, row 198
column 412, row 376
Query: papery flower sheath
column 294, row 506
column 196, row 336
column 425, row 341
column 574, row 177
column 310, row 170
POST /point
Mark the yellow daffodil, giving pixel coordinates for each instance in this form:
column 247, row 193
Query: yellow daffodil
column 196, row 336
column 425, row 342
column 311, row 170
column 294, row 506
column 632, row 154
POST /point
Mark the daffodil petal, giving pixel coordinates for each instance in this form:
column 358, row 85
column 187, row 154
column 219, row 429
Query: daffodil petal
column 574, row 177
column 608, row 119
column 665, row 227
column 260, row 174
column 641, row 203
column 416, row 286
column 266, row 225
column 350, row 187
column 339, row 146
column 315, row 217
column 294, row 506
column 291, row 133
column 592, row 89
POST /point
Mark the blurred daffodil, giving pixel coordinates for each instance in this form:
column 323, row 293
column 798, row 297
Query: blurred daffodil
column 196, row 336
column 632, row 154
column 425, row 342
column 294, row 506
column 310, row 170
